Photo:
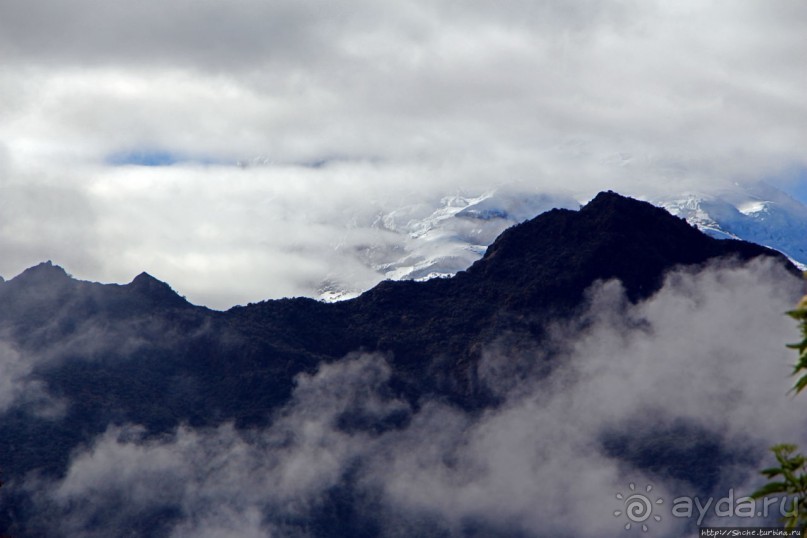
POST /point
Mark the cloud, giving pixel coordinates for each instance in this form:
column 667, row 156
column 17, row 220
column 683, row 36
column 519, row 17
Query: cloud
column 539, row 465
column 412, row 102
column 19, row 386
column 205, row 34
column 39, row 341
column 14, row 371
column 223, row 480
column 703, row 361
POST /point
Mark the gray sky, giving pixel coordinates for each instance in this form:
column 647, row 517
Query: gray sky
column 346, row 109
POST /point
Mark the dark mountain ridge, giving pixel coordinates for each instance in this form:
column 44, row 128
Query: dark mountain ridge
column 140, row 353
column 534, row 272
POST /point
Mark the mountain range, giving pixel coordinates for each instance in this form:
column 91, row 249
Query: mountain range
column 81, row 359
column 442, row 239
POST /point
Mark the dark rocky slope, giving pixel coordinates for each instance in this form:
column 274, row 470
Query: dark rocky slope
column 139, row 353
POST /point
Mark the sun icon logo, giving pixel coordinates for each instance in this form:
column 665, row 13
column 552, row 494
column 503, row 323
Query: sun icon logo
column 638, row 507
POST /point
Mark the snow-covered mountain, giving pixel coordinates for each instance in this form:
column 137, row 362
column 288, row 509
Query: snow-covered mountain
column 441, row 239
column 456, row 234
column 758, row 213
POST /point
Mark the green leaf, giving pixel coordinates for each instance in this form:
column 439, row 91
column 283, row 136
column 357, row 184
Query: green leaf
column 771, row 472
column 767, row 489
column 800, row 384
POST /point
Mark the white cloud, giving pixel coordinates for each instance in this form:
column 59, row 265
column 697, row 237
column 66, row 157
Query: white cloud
column 13, row 372
column 19, row 385
column 246, row 483
column 415, row 101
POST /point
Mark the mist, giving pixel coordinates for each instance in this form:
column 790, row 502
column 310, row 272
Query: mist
column 699, row 369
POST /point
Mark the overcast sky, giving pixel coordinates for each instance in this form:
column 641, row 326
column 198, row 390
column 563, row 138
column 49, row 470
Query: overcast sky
column 125, row 127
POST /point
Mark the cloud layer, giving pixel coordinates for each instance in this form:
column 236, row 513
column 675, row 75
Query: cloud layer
column 703, row 358
column 355, row 108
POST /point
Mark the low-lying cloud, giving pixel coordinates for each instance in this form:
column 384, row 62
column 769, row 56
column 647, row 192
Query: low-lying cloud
column 349, row 105
column 701, row 364
column 20, row 386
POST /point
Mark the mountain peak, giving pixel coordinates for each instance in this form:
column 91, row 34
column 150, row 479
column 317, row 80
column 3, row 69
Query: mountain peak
column 606, row 201
column 144, row 279
column 146, row 285
column 613, row 236
column 608, row 196
column 45, row 271
column 614, row 208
